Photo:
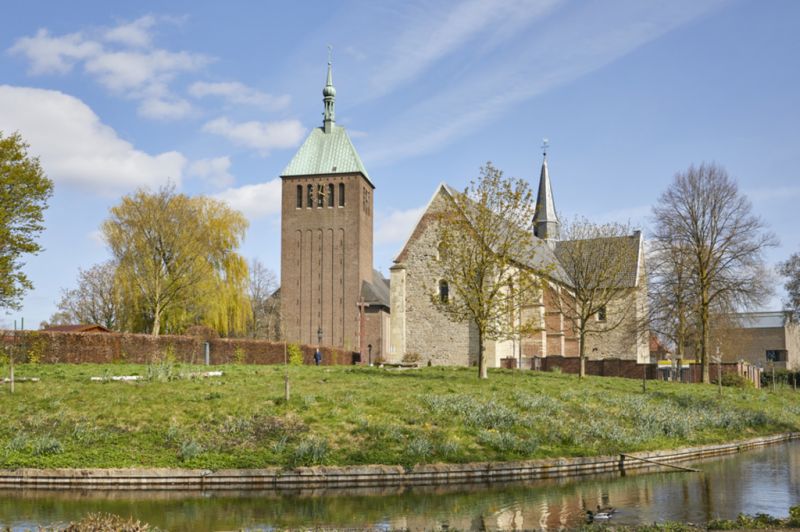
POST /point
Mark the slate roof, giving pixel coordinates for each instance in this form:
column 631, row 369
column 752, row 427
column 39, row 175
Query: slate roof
column 630, row 276
column 377, row 291
column 326, row 153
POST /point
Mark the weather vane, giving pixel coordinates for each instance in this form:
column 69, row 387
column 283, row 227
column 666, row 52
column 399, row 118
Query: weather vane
column 330, row 53
column 545, row 144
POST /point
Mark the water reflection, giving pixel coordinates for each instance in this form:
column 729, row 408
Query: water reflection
column 764, row 480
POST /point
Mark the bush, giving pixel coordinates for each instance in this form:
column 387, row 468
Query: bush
column 189, row 449
column 46, row 445
column 312, row 451
column 411, row 358
column 239, row 356
column 295, row 355
column 735, row 380
column 107, row 523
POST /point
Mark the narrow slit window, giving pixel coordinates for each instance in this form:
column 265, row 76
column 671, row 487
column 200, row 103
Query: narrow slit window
column 310, row 199
column 299, row 196
column 341, row 194
column 444, row 291
column 601, row 314
column 330, row 194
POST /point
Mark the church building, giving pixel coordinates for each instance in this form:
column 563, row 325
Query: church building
column 332, row 296
column 330, row 293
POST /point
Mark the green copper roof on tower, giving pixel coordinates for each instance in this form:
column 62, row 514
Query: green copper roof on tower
column 328, row 149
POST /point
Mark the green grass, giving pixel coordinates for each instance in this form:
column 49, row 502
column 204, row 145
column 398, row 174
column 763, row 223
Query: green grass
column 359, row 415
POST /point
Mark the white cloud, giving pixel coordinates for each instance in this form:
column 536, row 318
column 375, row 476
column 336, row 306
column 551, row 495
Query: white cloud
column 395, row 227
column 254, row 201
column 214, row 171
column 130, row 71
column 164, row 109
column 76, row 147
column 263, row 136
column 239, row 93
column 49, row 54
column 136, row 33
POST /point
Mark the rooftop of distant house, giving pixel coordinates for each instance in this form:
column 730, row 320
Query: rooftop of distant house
column 78, row 328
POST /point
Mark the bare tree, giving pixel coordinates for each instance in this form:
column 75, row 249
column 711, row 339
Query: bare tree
column 485, row 239
column 96, row 300
column 716, row 235
column 791, row 271
column 600, row 266
column 261, row 289
column 672, row 303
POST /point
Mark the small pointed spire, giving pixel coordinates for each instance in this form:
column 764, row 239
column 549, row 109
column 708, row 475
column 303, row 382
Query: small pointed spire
column 329, row 96
column 545, row 220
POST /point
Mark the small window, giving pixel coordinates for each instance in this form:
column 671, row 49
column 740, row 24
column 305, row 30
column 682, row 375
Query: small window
column 444, row 291
column 341, row 194
column 776, row 355
column 440, row 251
column 310, row 199
column 320, row 196
column 330, row 194
column 299, row 196
column 601, row 314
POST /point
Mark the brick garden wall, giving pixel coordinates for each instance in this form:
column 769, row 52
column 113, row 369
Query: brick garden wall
column 76, row 348
column 616, row 367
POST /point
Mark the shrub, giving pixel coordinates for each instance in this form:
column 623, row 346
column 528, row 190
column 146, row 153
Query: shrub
column 312, row 451
column 189, row 449
column 734, row 380
column 106, row 523
column 239, row 356
column 295, row 355
column 45, row 445
column 411, row 358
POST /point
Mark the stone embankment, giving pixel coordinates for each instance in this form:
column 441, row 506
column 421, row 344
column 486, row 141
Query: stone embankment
column 369, row 475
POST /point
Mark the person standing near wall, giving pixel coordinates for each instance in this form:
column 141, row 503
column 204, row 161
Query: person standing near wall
column 317, row 357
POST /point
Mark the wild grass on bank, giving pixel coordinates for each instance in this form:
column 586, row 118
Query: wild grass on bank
column 347, row 415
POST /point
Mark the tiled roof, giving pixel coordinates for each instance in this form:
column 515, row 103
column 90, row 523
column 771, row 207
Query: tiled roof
column 631, row 243
column 76, row 328
column 326, row 153
column 376, row 292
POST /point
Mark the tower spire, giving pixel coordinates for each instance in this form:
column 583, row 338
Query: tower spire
column 329, row 96
column 545, row 220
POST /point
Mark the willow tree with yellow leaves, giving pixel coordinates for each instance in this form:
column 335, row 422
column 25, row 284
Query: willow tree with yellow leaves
column 177, row 261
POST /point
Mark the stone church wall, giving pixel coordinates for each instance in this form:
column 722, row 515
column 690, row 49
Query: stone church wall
column 426, row 332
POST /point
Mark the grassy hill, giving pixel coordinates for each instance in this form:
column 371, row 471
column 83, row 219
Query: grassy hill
column 355, row 415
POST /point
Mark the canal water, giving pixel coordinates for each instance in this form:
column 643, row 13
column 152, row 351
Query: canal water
column 764, row 480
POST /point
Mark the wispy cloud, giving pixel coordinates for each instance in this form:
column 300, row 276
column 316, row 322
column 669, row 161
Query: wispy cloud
column 262, row 136
column 773, row 193
column 445, row 30
column 239, row 93
column 543, row 56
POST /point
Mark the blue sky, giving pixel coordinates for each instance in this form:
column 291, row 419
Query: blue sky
column 215, row 97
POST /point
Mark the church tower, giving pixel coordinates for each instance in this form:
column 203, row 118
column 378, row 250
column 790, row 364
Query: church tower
column 326, row 236
column 545, row 220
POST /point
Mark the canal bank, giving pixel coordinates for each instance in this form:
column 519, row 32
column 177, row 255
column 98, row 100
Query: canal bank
column 371, row 475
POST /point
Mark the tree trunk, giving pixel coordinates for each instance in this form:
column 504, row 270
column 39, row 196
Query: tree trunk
column 156, row 321
column 704, row 306
column 482, row 371
column 582, row 352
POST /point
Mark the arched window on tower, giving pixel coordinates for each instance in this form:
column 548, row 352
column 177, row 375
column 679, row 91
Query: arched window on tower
column 299, row 196
column 341, row 194
column 310, row 198
column 330, row 194
column 444, row 291
column 320, row 196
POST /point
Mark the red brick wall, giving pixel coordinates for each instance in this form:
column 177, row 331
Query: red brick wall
column 616, row 367
column 76, row 348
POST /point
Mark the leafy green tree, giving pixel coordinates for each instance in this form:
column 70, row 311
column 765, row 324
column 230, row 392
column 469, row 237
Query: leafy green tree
column 24, row 191
column 485, row 241
column 177, row 261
